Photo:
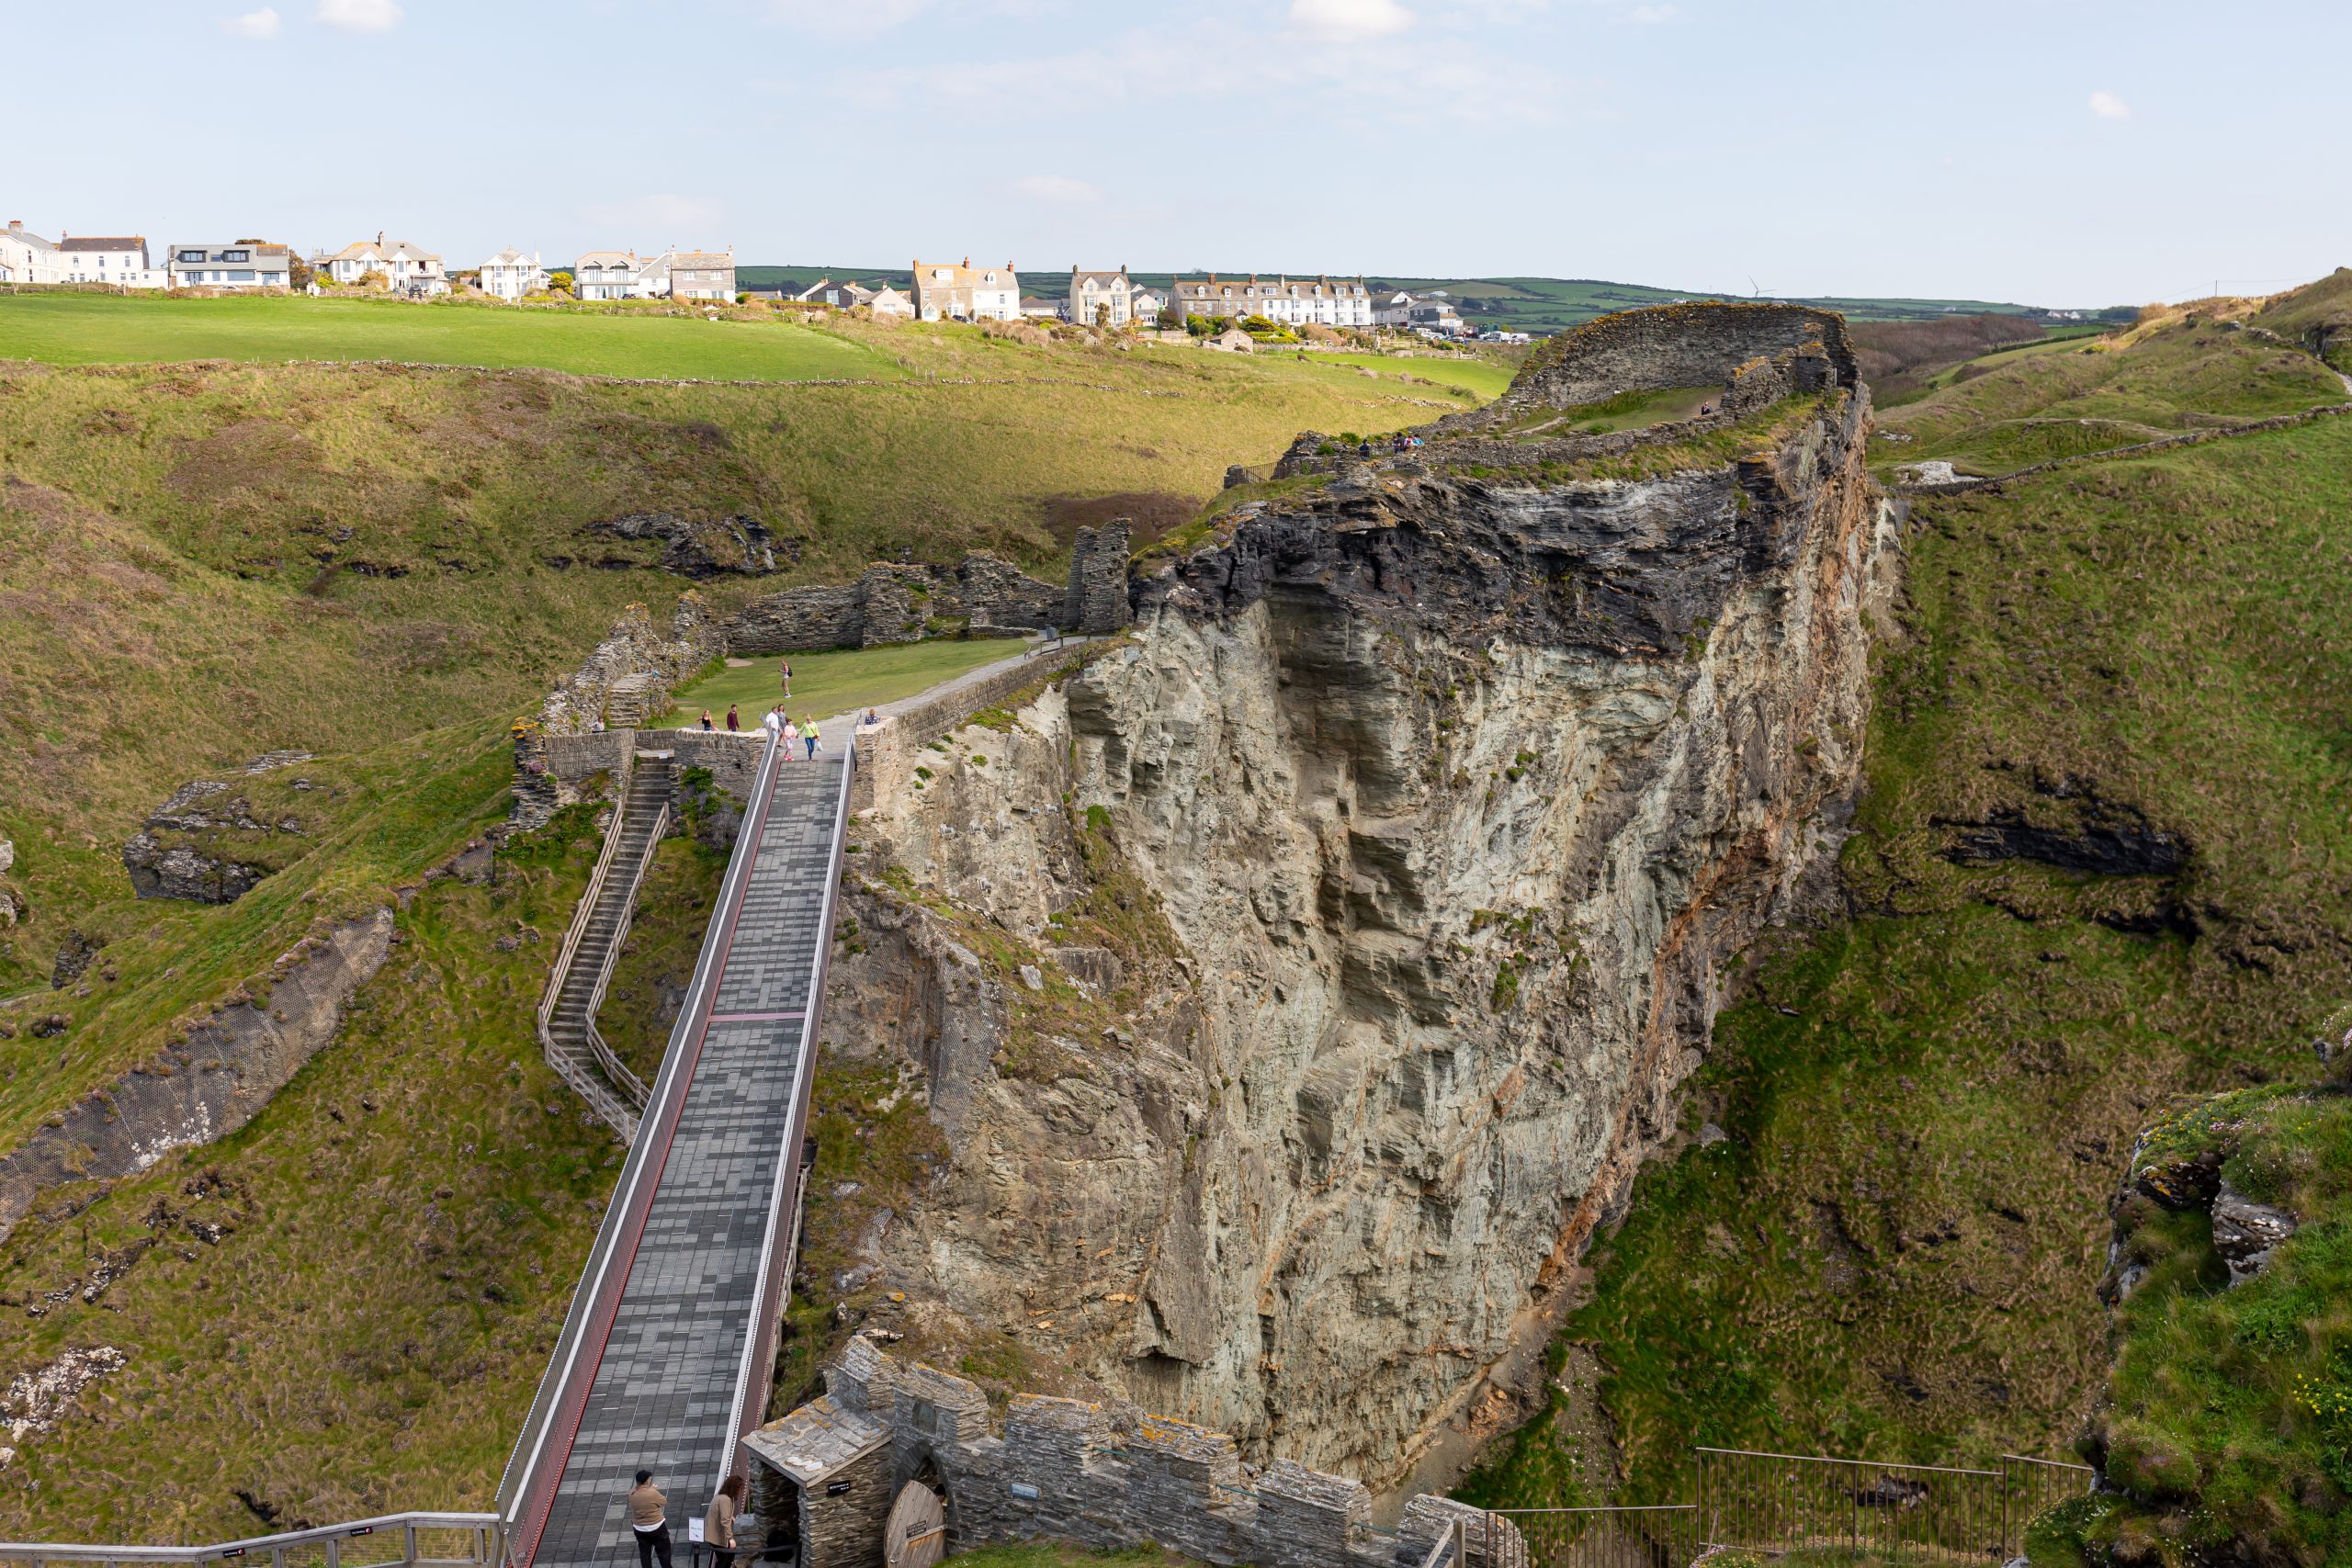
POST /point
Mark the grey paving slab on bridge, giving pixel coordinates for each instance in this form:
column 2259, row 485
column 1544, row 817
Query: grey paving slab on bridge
column 664, row 1383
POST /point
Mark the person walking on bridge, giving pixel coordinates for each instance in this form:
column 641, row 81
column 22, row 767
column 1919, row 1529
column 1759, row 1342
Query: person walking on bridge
column 719, row 1521
column 773, row 723
column 791, row 736
column 808, row 733
column 648, row 1518
column 734, row 722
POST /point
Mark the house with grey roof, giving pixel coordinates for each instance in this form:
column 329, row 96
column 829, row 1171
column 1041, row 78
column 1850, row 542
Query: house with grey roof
column 1294, row 302
column 1102, row 299
column 119, row 259
column 702, row 275
column 27, row 257
column 228, row 264
column 406, row 268
column 953, row 291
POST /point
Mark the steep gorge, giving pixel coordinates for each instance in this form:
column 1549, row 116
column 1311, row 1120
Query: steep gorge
column 1297, row 988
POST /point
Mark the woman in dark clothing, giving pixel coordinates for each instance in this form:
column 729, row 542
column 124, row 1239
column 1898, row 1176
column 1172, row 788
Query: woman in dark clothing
column 734, row 724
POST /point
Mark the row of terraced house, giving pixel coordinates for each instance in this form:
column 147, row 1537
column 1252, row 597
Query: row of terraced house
column 399, row 267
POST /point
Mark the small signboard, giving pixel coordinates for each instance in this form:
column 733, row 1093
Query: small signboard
column 836, row 1488
column 1024, row 1489
column 694, row 1532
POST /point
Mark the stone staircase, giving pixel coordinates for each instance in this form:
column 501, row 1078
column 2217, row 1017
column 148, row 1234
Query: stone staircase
column 629, row 702
column 568, row 1015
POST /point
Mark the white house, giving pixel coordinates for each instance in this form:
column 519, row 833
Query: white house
column 1102, row 299
column 1392, row 309
column 1284, row 302
column 1147, row 304
column 608, row 274
column 117, row 260
column 407, row 268
column 510, row 274
column 235, row 264
column 27, row 256
column 889, row 301
column 951, row 292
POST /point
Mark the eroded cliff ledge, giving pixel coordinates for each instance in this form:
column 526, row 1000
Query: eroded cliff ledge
column 1373, row 902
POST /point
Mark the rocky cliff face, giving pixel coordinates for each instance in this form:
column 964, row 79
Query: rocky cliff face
column 1299, row 985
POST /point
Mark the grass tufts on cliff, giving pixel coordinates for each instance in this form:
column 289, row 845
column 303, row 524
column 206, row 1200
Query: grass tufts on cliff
column 2100, row 864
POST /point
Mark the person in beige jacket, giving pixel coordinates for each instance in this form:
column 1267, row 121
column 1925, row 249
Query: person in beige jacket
column 719, row 1521
column 647, row 1517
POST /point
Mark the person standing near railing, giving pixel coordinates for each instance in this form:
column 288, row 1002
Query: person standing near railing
column 719, row 1521
column 648, row 1518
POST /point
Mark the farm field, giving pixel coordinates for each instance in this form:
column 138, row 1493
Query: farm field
column 105, row 329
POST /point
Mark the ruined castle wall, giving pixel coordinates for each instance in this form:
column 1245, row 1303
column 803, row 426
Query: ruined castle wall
column 892, row 603
column 1110, row 1477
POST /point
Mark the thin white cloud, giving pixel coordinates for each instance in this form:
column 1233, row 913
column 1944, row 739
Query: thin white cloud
column 360, row 15
column 2106, row 106
column 1056, row 190
column 1650, row 15
column 253, row 24
column 659, row 209
column 1342, row 21
column 1447, row 81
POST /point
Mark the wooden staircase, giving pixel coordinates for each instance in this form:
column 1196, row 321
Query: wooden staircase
column 583, row 968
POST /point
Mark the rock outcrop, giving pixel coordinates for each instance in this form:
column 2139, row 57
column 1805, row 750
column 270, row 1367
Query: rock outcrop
column 213, row 839
column 210, row 1083
column 700, row 549
column 1421, row 818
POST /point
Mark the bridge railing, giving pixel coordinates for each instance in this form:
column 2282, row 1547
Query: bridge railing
column 535, row 1468
column 409, row 1540
column 632, row 1087
column 600, row 1096
column 780, row 1245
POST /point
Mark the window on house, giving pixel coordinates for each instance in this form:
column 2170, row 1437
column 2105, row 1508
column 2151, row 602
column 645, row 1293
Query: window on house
column 191, row 255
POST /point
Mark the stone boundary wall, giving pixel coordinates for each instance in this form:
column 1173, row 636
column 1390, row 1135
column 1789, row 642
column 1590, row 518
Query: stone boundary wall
column 2140, row 449
column 1672, row 345
column 1110, row 1477
column 895, row 602
column 552, row 772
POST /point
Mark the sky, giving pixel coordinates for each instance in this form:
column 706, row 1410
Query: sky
column 2057, row 152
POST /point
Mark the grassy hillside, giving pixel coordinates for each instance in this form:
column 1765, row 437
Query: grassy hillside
column 383, row 566
column 2008, row 410
column 106, row 329
column 2100, row 863
column 2318, row 316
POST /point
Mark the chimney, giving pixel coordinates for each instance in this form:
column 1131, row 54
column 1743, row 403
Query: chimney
column 380, row 236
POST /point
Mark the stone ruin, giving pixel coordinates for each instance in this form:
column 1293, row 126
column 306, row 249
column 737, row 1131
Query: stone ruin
column 982, row 595
column 1104, row 1475
column 635, row 662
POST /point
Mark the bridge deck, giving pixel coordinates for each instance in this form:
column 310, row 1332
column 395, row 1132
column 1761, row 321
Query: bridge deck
column 663, row 1359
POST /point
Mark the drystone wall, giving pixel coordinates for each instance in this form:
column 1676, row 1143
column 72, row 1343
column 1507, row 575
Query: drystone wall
column 1422, row 815
column 1110, row 1477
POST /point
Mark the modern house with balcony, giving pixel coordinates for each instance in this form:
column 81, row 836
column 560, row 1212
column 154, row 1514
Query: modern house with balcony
column 237, row 264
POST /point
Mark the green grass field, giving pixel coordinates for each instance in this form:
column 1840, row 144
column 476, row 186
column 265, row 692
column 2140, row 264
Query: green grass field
column 106, row 328
column 2010, row 409
column 1487, row 377
column 824, row 684
column 2140, row 640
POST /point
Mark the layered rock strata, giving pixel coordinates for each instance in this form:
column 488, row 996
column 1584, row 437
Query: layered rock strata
column 1417, row 827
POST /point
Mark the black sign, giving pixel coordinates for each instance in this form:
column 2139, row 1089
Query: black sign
column 835, row 1488
column 361, row 1530
column 234, row 1552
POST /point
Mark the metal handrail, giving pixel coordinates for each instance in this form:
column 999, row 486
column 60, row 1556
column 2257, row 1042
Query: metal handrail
column 485, row 1540
column 598, row 1095
column 629, row 1084
column 525, row 1487
column 775, row 1280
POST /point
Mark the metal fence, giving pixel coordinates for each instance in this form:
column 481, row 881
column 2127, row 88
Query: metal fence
column 1666, row 1536
column 1793, row 1502
column 409, row 1541
column 1774, row 1503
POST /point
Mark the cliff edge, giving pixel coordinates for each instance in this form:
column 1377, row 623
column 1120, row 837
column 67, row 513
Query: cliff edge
column 1297, row 988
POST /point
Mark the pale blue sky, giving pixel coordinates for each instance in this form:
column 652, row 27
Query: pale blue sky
column 2059, row 151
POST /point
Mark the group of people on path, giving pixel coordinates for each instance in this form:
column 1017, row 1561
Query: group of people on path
column 777, row 722
column 648, row 1518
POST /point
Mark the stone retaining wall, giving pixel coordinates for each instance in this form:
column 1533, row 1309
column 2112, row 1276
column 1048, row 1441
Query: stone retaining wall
column 889, row 752
column 1110, row 1477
